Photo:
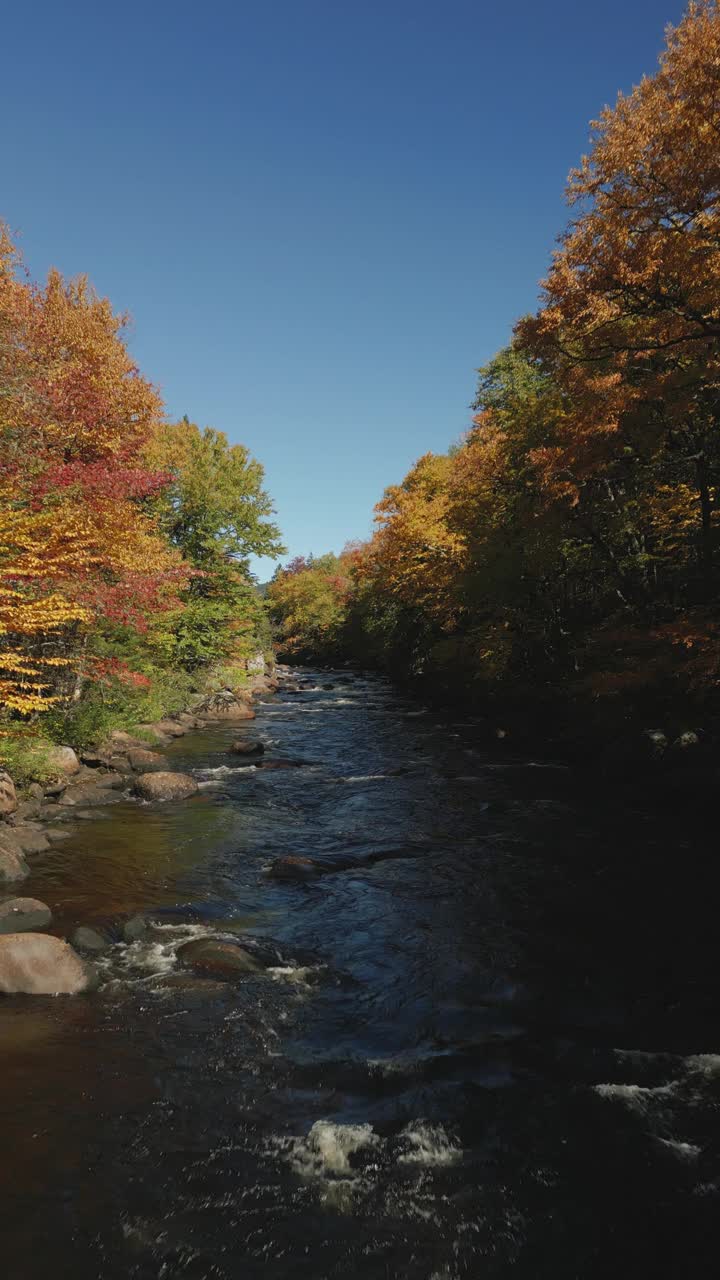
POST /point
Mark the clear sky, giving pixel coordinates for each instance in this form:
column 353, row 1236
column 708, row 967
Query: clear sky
column 323, row 215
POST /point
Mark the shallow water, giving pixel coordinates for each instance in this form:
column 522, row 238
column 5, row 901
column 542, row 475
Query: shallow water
column 489, row 1049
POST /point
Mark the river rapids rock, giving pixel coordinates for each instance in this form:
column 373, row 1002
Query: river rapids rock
column 36, row 964
column 165, row 786
column 146, row 761
column 8, row 798
column 243, row 747
column 21, row 915
column 87, row 939
column 215, row 958
column 135, row 928
column 12, row 863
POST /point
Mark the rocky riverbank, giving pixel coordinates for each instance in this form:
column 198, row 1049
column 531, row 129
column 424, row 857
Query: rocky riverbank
column 127, row 766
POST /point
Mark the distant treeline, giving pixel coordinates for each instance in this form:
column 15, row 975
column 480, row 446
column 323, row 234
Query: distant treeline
column 569, row 542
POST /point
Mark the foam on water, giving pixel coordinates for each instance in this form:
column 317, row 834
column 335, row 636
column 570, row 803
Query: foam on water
column 428, row 1144
column 327, row 1149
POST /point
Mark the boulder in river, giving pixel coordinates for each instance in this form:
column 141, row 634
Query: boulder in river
column 294, row 868
column 217, row 958
column 8, row 798
column 20, row 915
column 165, row 786
column 90, row 940
column 144, row 761
column 36, row 964
column 12, row 863
column 244, row 747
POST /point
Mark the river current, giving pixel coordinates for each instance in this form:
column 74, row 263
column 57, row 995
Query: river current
column 489, row 1048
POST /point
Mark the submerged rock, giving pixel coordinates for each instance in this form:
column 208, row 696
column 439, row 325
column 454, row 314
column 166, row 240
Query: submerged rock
column 135, row 928
column 165, row 786
column 242, row 747
column 19, row 915
column 294, row 868
column 31, row 839
column 217, row 958
column 37, row 964
column 87, row 939
column 12, row 863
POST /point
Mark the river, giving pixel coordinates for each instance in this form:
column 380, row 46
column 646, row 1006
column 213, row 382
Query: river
column 489, row 1049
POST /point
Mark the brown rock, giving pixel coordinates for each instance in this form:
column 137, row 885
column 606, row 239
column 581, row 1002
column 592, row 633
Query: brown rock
column 19, row 915
column 8, row 798
column 165, row 786
column 228, row 712
column 37, row 964
column 171, row 728
column 146, row 761
column 216, row 958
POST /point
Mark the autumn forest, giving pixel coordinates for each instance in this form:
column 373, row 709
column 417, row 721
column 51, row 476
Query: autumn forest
column 564, row 550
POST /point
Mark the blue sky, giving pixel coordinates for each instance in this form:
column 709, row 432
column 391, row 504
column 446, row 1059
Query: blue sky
column 322, row 216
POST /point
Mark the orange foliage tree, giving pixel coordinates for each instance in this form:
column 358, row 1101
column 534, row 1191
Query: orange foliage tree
column 76, row 541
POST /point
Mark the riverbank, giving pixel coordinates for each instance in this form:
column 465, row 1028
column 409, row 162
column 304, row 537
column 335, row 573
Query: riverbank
column 127, row 766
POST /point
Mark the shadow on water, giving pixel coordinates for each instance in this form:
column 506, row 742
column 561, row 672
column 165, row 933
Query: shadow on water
column 486, row 1045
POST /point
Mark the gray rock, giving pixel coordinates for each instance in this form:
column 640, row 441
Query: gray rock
column 37, row 964
column 135, row 928
column 12, row 863
column 88, row 793
column 215, row 958
column 87, row 939
column 20, row 915
column 165, row 786
column 243, row 747
column 63, row 761
column 27, row 810
column 8, row 798
column 146, row 761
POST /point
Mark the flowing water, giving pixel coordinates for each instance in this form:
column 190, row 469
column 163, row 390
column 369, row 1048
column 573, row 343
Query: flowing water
column 488, row 1047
